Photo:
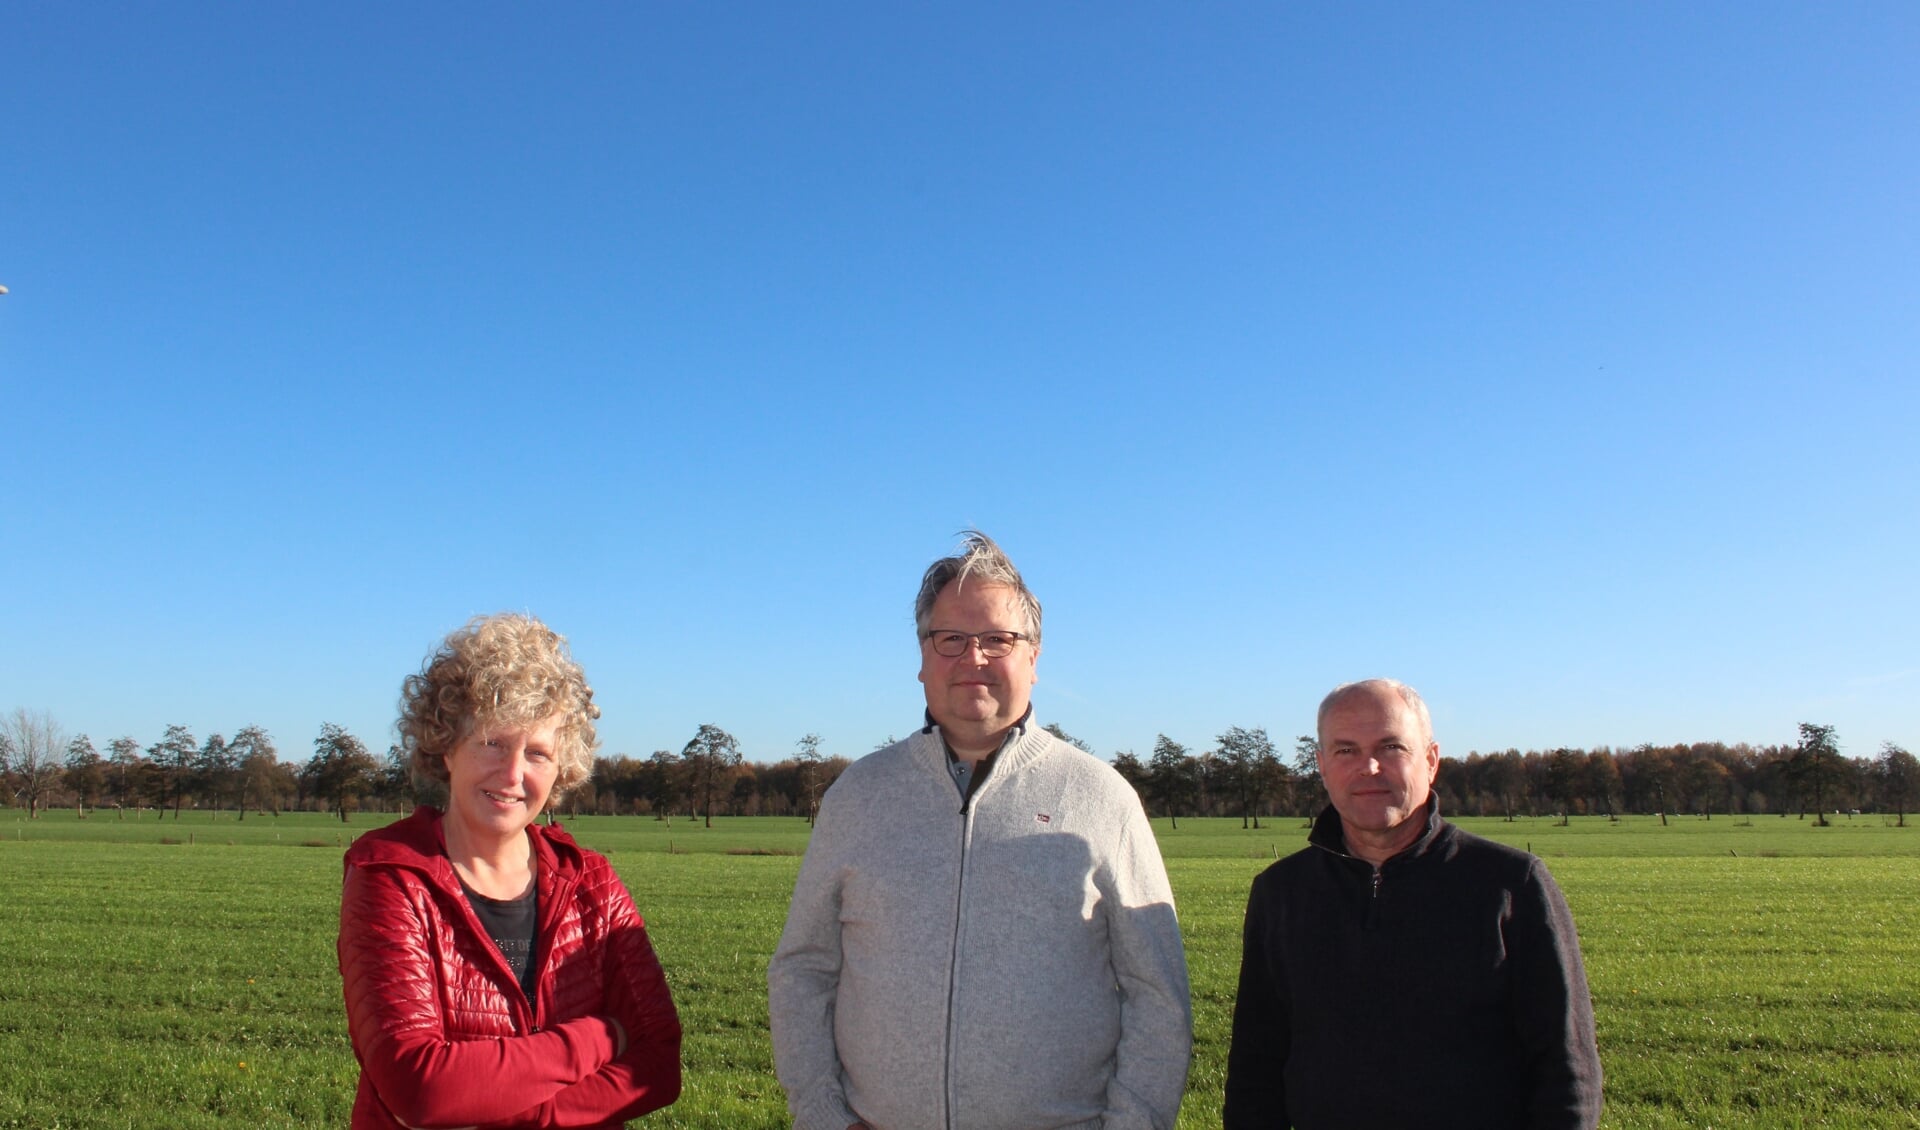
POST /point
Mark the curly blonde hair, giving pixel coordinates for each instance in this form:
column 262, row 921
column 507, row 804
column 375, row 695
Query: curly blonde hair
column 504, row 670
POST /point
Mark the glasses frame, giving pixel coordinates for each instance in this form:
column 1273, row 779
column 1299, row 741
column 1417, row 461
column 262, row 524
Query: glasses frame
column 974, row 639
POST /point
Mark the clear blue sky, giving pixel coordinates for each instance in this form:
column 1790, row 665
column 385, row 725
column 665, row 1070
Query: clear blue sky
column 1563, row 361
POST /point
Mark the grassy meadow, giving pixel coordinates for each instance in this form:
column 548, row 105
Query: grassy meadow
column 1746, row 973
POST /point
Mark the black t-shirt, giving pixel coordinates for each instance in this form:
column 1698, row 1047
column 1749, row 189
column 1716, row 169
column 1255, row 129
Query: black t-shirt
column 513, row 925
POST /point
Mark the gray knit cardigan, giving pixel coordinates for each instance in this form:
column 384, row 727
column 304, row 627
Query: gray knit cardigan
column 1015, row 965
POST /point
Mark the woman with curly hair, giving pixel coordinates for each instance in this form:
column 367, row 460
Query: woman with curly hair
column 496, row 972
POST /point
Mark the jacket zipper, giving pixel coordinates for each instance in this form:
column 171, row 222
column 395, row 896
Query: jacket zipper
column 526, row 1011
column 550, row 903
column 1373, row 884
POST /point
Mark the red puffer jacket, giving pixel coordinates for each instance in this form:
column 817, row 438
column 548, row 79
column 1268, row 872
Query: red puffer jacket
column 444, row 1035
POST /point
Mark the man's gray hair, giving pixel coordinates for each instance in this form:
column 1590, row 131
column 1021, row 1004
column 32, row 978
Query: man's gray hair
column 979, row 560
column 1407, row 695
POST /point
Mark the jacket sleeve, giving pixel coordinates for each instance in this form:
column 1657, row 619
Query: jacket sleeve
column 1553, row 1012
column 394, row 1018
column 647, row 1076
column 1150, row 966
column 1256, row 1097
column 802, row 981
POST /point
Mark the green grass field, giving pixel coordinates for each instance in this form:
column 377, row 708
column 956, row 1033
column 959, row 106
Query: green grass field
column 1761, row 973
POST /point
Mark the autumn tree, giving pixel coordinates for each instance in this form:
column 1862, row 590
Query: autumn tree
column 666, row 783
column 1706, row 781
column 1600, row 780
column 1504, row 774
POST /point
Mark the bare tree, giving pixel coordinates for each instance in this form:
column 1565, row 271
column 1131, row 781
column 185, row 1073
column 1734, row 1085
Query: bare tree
column 34, row 744
column 254, row 760
column 123, row 755
column 807, row 754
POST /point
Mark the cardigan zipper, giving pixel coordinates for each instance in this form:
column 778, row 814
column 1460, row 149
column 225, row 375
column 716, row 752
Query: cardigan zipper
column 953, row 964
column 959, row 903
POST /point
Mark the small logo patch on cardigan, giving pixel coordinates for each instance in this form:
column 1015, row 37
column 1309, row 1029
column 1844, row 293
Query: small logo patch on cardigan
column 1042, row 818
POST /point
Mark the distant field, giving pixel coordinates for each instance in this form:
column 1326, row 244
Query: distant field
column 1761, row 973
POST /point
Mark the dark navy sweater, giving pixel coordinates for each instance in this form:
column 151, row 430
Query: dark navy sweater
column 1443, row 989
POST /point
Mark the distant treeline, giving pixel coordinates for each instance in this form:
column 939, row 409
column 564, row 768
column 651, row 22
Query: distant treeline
column 1243, row 775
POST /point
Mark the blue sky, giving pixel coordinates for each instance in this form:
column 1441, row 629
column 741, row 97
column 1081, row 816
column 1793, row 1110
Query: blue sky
column 1559, row 360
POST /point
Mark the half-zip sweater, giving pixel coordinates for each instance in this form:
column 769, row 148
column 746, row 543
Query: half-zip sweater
column 1442, row 990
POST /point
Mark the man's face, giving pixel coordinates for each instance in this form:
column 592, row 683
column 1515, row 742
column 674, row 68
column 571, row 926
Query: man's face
column 973, row 698
column 1378, row 762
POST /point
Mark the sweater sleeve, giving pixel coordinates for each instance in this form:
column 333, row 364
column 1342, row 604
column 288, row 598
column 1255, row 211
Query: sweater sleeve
column 802, row 981
column 647, row 1076
column 1553, row 1012
column 1256, row 1097
column 394, row 1019
column 1150, row 966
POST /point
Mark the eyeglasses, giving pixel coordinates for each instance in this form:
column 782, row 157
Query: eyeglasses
column 993, row 645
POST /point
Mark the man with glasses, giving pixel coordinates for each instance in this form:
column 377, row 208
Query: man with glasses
column 1400, row 972
column 981, row 935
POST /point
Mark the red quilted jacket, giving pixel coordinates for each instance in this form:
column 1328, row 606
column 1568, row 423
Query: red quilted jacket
column 444, row 1035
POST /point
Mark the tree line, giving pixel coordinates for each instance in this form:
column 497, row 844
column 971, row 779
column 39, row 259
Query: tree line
column 1243, row 774
column 42, row 767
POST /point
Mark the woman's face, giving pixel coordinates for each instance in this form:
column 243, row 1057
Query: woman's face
column 499, row 778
